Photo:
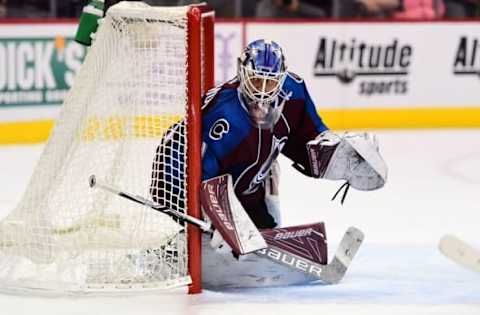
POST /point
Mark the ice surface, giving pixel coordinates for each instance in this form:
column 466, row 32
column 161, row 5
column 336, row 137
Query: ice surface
column 433, row 188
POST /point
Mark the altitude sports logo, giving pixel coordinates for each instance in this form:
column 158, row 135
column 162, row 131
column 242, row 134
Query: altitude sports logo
column 381, row 68
column 467, row 57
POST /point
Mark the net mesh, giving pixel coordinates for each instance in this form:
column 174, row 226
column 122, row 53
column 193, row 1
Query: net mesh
column 65, row 236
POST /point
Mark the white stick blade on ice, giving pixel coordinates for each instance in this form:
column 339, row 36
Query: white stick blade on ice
column 349, row 245
column 460, row 252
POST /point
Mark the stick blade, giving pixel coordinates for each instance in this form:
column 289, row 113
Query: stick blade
column 334, row 272
column 460, row 252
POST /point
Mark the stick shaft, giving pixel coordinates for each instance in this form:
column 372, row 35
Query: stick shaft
column 140, row 200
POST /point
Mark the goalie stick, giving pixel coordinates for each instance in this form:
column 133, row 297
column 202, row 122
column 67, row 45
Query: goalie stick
column 330, row 273
column 204, row 226
column 234, row 225
column 460, row 252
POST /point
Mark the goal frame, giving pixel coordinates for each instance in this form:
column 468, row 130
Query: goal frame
column 144, row 75
column 200, row 45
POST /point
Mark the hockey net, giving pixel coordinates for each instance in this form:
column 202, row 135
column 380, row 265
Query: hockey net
column 140, row 77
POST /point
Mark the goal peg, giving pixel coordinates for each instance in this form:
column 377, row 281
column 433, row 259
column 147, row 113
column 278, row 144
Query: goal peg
column 92, row 181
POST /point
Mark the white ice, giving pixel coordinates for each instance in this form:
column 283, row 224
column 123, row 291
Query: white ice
column 433, row 189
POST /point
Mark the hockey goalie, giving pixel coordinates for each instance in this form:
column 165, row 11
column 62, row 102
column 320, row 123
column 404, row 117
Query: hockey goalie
column 246, row 123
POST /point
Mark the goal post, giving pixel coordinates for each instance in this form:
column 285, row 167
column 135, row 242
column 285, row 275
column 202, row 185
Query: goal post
column 200, row 25
column 145, row 72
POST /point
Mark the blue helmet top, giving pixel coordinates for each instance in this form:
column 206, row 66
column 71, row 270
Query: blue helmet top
column 264, row 55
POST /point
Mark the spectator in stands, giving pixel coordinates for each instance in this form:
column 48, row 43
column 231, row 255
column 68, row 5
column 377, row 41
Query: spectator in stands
column 249, row 8
column 28, row 8
column 69, row 8
column 425, row 9
column 365, row 8
column 380, row 7
column 223, row 8
column 3, row 8
column 462, row 8
column 294, row 8
column 401, row 9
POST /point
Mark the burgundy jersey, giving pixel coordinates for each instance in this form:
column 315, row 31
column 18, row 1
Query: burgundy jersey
column 233, row 144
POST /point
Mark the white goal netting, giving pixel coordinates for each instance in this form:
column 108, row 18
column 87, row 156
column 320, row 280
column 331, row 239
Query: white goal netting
column 65, row 236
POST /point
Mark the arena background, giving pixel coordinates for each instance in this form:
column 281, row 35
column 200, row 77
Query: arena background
column 415, row 82
column 420, row 74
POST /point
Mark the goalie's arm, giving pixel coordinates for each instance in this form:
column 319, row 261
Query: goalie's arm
column 304, row 123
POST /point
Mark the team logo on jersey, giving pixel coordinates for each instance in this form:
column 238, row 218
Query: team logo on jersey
column 218, row 129
column 259, row 179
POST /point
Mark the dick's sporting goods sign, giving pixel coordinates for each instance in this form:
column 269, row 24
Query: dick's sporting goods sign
column 37, row 71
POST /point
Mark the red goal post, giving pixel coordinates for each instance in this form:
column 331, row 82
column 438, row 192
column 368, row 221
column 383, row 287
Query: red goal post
column 200, row 79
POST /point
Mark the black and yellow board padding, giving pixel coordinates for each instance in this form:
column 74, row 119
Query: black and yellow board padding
column 28, row 132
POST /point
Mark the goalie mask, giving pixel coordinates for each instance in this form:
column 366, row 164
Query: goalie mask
column 262, row 71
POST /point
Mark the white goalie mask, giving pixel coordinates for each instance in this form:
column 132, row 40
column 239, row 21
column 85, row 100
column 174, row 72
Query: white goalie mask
column 262, row 72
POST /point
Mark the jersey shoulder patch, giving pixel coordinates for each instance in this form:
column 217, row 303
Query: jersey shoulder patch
column 218, row 129
column 226, row 123
column 224, row 132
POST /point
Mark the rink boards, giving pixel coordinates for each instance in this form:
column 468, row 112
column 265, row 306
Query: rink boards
column 361, row 75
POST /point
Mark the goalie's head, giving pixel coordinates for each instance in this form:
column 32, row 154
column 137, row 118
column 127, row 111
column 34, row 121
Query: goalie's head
column 262, row 71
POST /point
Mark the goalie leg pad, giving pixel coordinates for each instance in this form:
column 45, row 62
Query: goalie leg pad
column 227, row 215
column 222, row 271
column 296, row 255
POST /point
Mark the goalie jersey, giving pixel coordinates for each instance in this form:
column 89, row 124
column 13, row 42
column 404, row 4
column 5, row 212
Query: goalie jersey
column 233, row 144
